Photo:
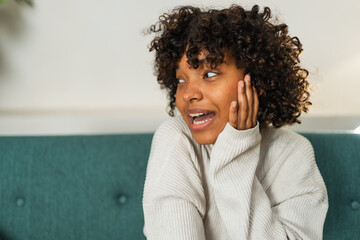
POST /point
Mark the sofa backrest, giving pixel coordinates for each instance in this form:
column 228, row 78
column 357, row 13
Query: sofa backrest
column 72, row 187
column 90, row 187
column 338, row 158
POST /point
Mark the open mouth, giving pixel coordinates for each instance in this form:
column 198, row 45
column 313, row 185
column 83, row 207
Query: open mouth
column 199, row 118
column 199, row 121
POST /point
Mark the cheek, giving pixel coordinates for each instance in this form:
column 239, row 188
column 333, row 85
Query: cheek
column 177, row 98
column 233, row 92
column 225, row 96
column 179, row 102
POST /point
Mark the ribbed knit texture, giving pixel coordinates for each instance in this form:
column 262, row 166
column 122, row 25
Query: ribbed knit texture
column 247, row 185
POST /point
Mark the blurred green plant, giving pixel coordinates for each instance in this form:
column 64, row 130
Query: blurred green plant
column 28, row 2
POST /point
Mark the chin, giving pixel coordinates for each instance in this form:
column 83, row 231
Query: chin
column 204, row 138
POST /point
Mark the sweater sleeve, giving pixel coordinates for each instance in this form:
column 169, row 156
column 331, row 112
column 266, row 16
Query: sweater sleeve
column 298, row 204
column 173, row 199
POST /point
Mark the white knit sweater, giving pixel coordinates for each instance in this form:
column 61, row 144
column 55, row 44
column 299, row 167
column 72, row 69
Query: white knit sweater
column 249, row 184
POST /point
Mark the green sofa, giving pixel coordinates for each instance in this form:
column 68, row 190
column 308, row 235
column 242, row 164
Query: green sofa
column 90, row 187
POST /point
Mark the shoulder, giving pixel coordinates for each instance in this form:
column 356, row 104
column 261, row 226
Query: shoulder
column 282, row 150
column 175, row 125
column 290, row 166
column 173, row 134
column 172, row 130
column 282, row 138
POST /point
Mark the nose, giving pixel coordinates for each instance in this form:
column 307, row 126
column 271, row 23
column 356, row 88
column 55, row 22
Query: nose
column 192, row 92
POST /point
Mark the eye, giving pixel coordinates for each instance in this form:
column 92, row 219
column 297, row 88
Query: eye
column 179, row 80
column 210, row 74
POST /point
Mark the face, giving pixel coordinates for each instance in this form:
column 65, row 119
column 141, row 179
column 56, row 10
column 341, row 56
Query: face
column 204, row 95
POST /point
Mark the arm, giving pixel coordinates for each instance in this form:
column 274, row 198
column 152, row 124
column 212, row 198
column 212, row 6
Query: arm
column 173, row 200
column 298, row 203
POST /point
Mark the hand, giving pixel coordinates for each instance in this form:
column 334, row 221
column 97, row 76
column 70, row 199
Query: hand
column 243, row 112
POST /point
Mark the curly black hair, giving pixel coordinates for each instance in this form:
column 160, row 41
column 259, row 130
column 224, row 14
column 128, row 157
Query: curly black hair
column 264, row 48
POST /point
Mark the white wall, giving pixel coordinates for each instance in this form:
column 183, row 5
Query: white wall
column 83, row 66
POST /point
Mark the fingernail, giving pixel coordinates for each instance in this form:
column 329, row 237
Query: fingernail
column 241, row 83
column 233, row 104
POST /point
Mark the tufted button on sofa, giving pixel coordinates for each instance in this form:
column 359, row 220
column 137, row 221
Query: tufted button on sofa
column 355, row 205
column 90, row 187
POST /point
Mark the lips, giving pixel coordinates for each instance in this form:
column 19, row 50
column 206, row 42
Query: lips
column 200, row 119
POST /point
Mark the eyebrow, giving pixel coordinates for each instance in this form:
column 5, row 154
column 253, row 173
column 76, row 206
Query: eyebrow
column 201, row 62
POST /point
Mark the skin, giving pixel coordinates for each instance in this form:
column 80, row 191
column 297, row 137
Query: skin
column 224, row 90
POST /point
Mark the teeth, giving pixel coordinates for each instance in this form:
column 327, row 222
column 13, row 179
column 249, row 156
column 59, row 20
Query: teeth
column 201, row 122
column 196, row 114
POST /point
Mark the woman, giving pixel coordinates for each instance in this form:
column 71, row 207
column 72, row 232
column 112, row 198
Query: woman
column 225, row 169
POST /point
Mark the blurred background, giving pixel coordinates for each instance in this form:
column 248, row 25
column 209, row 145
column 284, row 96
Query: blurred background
column 83, row 67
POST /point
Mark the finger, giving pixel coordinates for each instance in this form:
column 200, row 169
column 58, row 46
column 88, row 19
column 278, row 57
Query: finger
column 250, row 100
column 233, row 114
column 243, row 106
column 255, row 106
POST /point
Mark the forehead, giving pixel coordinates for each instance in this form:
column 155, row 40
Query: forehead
column 183, row 60
column 202, row 55
column 182, row 63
